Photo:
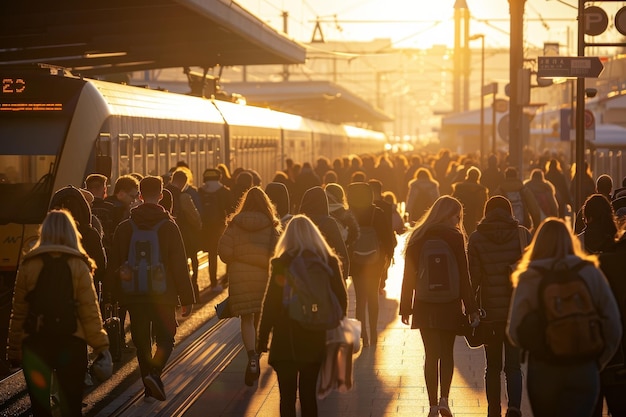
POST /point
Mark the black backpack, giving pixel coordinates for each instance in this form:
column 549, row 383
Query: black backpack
column 308, row 295
column 438, row 279
column 51, row 304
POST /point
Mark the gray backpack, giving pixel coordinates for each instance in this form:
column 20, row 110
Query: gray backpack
column 437, row 279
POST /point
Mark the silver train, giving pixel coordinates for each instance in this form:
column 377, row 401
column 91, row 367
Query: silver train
column 55, row 128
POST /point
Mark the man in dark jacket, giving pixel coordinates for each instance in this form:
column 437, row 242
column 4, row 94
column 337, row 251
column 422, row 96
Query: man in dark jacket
column 473, row 197
column 493, row 248
column 152, row 313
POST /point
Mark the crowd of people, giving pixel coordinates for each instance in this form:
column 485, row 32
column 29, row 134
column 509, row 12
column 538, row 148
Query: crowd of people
column 479, row 239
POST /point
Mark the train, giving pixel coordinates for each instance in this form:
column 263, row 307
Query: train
column 57, row 127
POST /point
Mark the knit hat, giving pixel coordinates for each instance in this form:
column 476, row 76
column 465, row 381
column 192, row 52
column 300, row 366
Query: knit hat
column 211, row 174
column 500, row 202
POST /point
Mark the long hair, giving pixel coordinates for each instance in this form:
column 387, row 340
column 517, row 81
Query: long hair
column 255, row 199
column 59, row 228
column 553, row 240
column 300, row 235
column 440, row 213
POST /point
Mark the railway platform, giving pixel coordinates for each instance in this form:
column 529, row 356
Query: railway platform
column 388, row 377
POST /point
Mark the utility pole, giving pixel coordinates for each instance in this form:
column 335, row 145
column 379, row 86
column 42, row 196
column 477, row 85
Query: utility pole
column 516, row 63
column 285, row 29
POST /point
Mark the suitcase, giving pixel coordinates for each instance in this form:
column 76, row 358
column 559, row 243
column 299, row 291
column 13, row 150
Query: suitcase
column 113, row 327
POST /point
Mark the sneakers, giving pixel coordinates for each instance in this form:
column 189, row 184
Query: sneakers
column 444, row 410
column 154, row 386
column 253, row 370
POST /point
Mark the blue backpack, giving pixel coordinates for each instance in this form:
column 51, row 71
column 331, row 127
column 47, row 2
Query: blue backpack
column 146, row 273
column 308, row 295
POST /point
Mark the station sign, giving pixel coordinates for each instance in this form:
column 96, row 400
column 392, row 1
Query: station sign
column 569, row 66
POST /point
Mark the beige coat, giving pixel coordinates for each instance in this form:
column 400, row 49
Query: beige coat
column 246, row 248
column 88, row 311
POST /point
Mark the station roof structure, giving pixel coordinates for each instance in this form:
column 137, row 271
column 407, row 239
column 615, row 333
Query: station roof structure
column 116, row 36
column 321, row 100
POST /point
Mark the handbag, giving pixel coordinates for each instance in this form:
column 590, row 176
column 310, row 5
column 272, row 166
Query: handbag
column 222, row 310
column 347, row 333
column 483, row 334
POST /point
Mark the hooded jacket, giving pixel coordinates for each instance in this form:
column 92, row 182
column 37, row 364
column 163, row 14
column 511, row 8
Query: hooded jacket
column 172, row 252
column 493, row 250
column 525, row 300
column 246, row 248
column 315, row 206
column 89, row 320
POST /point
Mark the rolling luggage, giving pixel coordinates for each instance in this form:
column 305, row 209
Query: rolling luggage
column 113, row 327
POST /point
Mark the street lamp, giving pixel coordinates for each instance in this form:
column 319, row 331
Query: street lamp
column 481, row 36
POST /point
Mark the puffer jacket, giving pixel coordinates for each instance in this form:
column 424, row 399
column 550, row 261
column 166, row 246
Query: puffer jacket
column 525, row 300
column 89, row 321
column 172, row 251
column 246, row 248
column 493, row 250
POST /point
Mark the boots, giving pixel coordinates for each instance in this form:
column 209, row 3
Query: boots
column 253, row 370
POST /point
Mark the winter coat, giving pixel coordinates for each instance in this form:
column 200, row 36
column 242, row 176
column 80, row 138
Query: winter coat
column 473, row 197
column 172, row 252
column 374, row 216
column 315, row 206
column 493, row 250
column 546, row 197
column 291, row 342
column 525, row 300
column 246, row 248
column 561, row 189
column 422, row 195
column 89, row 320
column 492, row 178
column 187, row 218
column 444, row 316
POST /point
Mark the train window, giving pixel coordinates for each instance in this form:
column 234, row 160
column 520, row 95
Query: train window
column 193, row 155
column 183, row 142
column 163, row 160
column 173, row 154
column 151, row 166
column 138, row 154
column 202, row 157
column 123, row 142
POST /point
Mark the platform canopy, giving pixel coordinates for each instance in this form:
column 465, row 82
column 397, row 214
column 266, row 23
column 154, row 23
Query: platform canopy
column 115, row 36
column 321, row 100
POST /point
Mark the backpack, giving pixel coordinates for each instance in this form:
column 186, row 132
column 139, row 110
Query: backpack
column 308, row 295
column 572, row 329
column 145, row 272
column 438, row 279
column 517, row 203
column 213, row 212
column 51, row 304
column 366, row 249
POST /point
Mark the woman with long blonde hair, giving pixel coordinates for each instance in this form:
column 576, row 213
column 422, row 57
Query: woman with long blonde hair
column 40, row 353
column 439, row 322
column 296, row 353
column 560, row 388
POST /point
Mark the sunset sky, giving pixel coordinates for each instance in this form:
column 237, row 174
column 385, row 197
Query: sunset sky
column 422, row 23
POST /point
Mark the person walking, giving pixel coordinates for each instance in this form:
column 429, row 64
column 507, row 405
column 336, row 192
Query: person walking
column 38, row 353
column 498, row 243
column 554, row 174
column 296, row 353
column 544, row 193
column 246, row 248
column 152, row 311
column 367, row 260
column 423, row 191
column 439, row 322
column 187, row 219
column 525, row 207
column 560, row 388
column 472, row 196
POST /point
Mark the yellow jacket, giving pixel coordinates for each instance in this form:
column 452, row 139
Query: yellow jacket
column 89, row 326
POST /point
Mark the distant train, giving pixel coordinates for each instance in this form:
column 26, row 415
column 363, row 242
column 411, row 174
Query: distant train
column 607, row 152
column 55, row 128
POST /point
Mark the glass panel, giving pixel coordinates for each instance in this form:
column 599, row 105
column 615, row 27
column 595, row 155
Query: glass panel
column 123, row 150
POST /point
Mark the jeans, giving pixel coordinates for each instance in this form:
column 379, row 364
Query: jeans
column 512, row 372
column 562, row 390
column 67, row 355
column 147, row 320
column 288, row 382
